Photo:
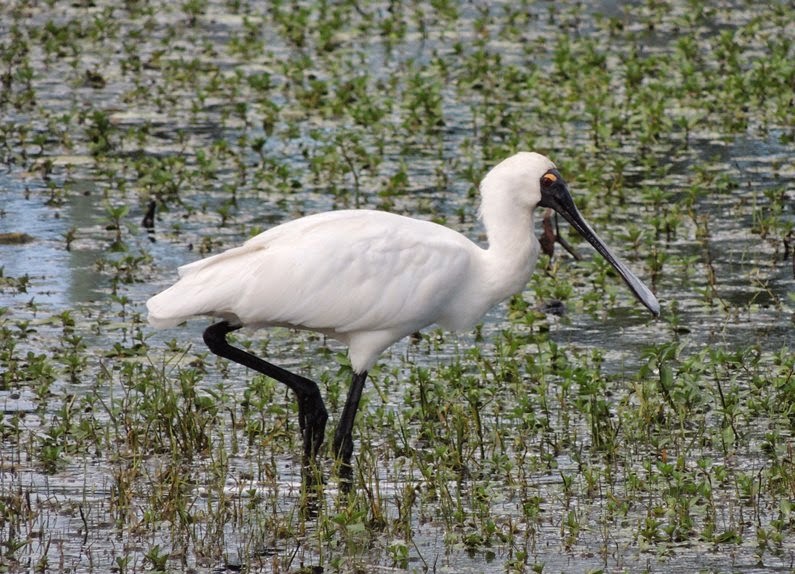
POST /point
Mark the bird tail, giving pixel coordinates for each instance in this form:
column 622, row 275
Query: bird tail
column 162, row 311
column 204, row 288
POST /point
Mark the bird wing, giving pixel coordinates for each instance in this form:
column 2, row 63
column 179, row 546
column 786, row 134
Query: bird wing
column 337, row 272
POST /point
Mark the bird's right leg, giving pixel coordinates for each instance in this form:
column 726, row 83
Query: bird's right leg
column 312, row 414
column 343, row 438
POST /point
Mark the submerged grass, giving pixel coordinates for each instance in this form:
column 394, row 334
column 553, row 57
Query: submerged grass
column 592, row 441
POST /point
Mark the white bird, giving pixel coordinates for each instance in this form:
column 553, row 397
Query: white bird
column 369, row 278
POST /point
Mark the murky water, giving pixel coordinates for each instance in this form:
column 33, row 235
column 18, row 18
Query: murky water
column 136, row 101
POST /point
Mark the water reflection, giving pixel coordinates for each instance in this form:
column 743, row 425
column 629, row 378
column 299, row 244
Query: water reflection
column 59, row 277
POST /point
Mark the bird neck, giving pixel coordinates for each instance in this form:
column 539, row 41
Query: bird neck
column 513, row 248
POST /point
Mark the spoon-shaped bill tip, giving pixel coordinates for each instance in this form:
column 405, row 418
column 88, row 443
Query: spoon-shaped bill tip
column 557, row 197
column 637, row 286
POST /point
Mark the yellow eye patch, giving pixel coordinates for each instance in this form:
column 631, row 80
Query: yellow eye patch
column 549, row 178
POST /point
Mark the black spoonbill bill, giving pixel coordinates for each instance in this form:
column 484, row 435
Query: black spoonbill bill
column 369, row 278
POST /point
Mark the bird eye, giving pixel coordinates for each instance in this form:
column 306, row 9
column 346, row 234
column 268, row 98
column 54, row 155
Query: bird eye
column 548, row 179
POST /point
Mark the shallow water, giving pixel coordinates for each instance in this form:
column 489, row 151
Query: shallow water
column 94, row 475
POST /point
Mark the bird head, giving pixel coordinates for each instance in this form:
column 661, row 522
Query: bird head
column 515, row 181
column 533, row 181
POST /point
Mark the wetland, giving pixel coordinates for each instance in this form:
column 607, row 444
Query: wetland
column 569, row 432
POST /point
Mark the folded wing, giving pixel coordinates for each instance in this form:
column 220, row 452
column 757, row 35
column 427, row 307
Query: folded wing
column 337, row 273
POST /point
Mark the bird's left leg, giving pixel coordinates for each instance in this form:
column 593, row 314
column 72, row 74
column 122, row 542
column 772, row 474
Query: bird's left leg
column 312, row 414
column 343, row 437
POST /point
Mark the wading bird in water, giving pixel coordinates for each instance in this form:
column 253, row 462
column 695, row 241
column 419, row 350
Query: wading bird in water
column 369, row 278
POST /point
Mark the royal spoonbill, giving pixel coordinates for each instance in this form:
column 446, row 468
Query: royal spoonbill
column 369, row 278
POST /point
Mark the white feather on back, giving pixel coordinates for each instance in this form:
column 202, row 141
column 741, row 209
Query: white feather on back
column 337, row 272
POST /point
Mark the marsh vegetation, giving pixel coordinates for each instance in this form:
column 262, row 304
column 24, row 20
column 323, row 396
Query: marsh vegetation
column 592, row 440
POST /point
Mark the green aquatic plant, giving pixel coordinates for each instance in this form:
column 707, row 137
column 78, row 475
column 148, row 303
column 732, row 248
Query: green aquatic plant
column 537, row 439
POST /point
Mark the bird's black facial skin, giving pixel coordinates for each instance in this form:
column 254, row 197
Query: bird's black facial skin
column 555, row 194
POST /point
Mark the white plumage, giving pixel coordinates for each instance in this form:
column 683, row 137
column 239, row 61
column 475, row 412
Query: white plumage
column 369, row 278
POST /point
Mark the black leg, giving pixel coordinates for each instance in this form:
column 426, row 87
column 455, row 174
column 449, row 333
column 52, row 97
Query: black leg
column 343, row 438
column 312, row 414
